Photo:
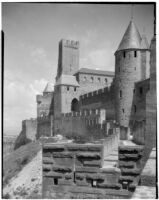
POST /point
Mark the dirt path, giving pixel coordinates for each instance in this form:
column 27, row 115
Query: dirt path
column 28, row 183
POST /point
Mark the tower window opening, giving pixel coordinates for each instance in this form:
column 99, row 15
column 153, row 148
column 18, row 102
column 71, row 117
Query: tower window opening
column 75, row 89
column 99, row 79
column 135, row 109
column 106, row 80
column 85, row 78
column 120, row 94
column 135, row 53
column 124, row 54
column 123, row 110
column 55, row 181
column 68, row 88
column 92, row 79
column 141, row 90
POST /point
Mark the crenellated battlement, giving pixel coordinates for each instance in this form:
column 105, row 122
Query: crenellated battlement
column 96, row 92
column 87, row 113
column 43, row 118
column 70, row 43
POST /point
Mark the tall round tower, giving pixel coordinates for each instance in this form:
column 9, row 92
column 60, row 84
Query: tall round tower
column 128, row 70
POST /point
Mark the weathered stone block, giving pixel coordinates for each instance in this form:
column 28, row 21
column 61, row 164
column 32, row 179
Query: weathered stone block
column 47, row 160
column 109, row 186
column 87, row 169
column 53, row 147
column 53, row 175
column 93, row 163
column 95, row 156
column 130, row 172
column 62, row 169
column 47, row 167
column 62, row 155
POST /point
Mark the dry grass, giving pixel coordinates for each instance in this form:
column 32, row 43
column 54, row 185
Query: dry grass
column 13, row 163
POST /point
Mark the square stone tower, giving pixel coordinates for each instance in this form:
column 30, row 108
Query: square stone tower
column 68, row 60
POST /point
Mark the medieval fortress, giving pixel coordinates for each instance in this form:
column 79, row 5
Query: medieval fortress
column 95, row 105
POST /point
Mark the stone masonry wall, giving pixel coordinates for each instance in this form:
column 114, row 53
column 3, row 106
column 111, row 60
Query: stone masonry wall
column 92, row 82
column 102, row 98
column 130, row 163
column 75, row 171
column 44, row 126
column 28, row 133
column 127, row 72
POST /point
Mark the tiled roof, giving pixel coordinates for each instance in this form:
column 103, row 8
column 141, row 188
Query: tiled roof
column 67, row 80
column 94, row 71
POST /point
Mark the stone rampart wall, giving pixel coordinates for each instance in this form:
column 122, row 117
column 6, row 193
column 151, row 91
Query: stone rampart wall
column 102, row 98
column 75, row 171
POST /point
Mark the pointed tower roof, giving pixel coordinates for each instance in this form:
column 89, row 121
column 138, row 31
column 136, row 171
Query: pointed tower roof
column 49, row 88
column 131, row 38
column 144, row 43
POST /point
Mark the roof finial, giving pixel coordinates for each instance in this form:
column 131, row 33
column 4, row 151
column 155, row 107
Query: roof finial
column 132, row 6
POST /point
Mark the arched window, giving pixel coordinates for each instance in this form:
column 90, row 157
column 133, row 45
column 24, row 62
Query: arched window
column 106, row 80
column 92, row 79
column 75, row 89
column 99, row 79
column 68, row 88
column 75, row 105
column 120, row 94
column 135, row 53
column 85, row 78
column 135, row 108
column 141, row 90
column 124, row 54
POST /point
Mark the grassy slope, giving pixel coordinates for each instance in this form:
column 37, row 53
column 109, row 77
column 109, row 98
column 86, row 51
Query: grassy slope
column 14, row 162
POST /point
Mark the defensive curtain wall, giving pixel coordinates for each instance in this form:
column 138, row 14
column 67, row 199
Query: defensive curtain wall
column 102, row 98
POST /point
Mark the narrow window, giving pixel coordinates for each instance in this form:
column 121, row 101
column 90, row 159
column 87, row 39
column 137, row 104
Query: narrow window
column 141, row 90
column 120, row 93
column 98, row 79
column 55, row 181
column 134, row 108
column 85, row 78
column 67, row 88
column 124, row 54
column 75, row 89
column 106, row 80
column 94, row 183
column 134, row 91
column 135, row 53
column 92, row 79
column 123, row 110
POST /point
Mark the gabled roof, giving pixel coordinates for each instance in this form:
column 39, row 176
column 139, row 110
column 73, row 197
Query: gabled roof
column 95, row 71
column 131, row 38
column 67, row 80
column 49, row 87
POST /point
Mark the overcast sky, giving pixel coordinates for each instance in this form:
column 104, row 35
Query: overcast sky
column 32, row 32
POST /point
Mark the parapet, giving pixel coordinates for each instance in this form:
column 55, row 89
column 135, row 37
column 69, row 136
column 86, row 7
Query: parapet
column 96, row 92
column 70, row 43
column 43, row 118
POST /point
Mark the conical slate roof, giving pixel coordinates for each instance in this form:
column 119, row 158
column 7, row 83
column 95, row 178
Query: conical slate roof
column 49, row 88
column 144, row 43
column 131, row 38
